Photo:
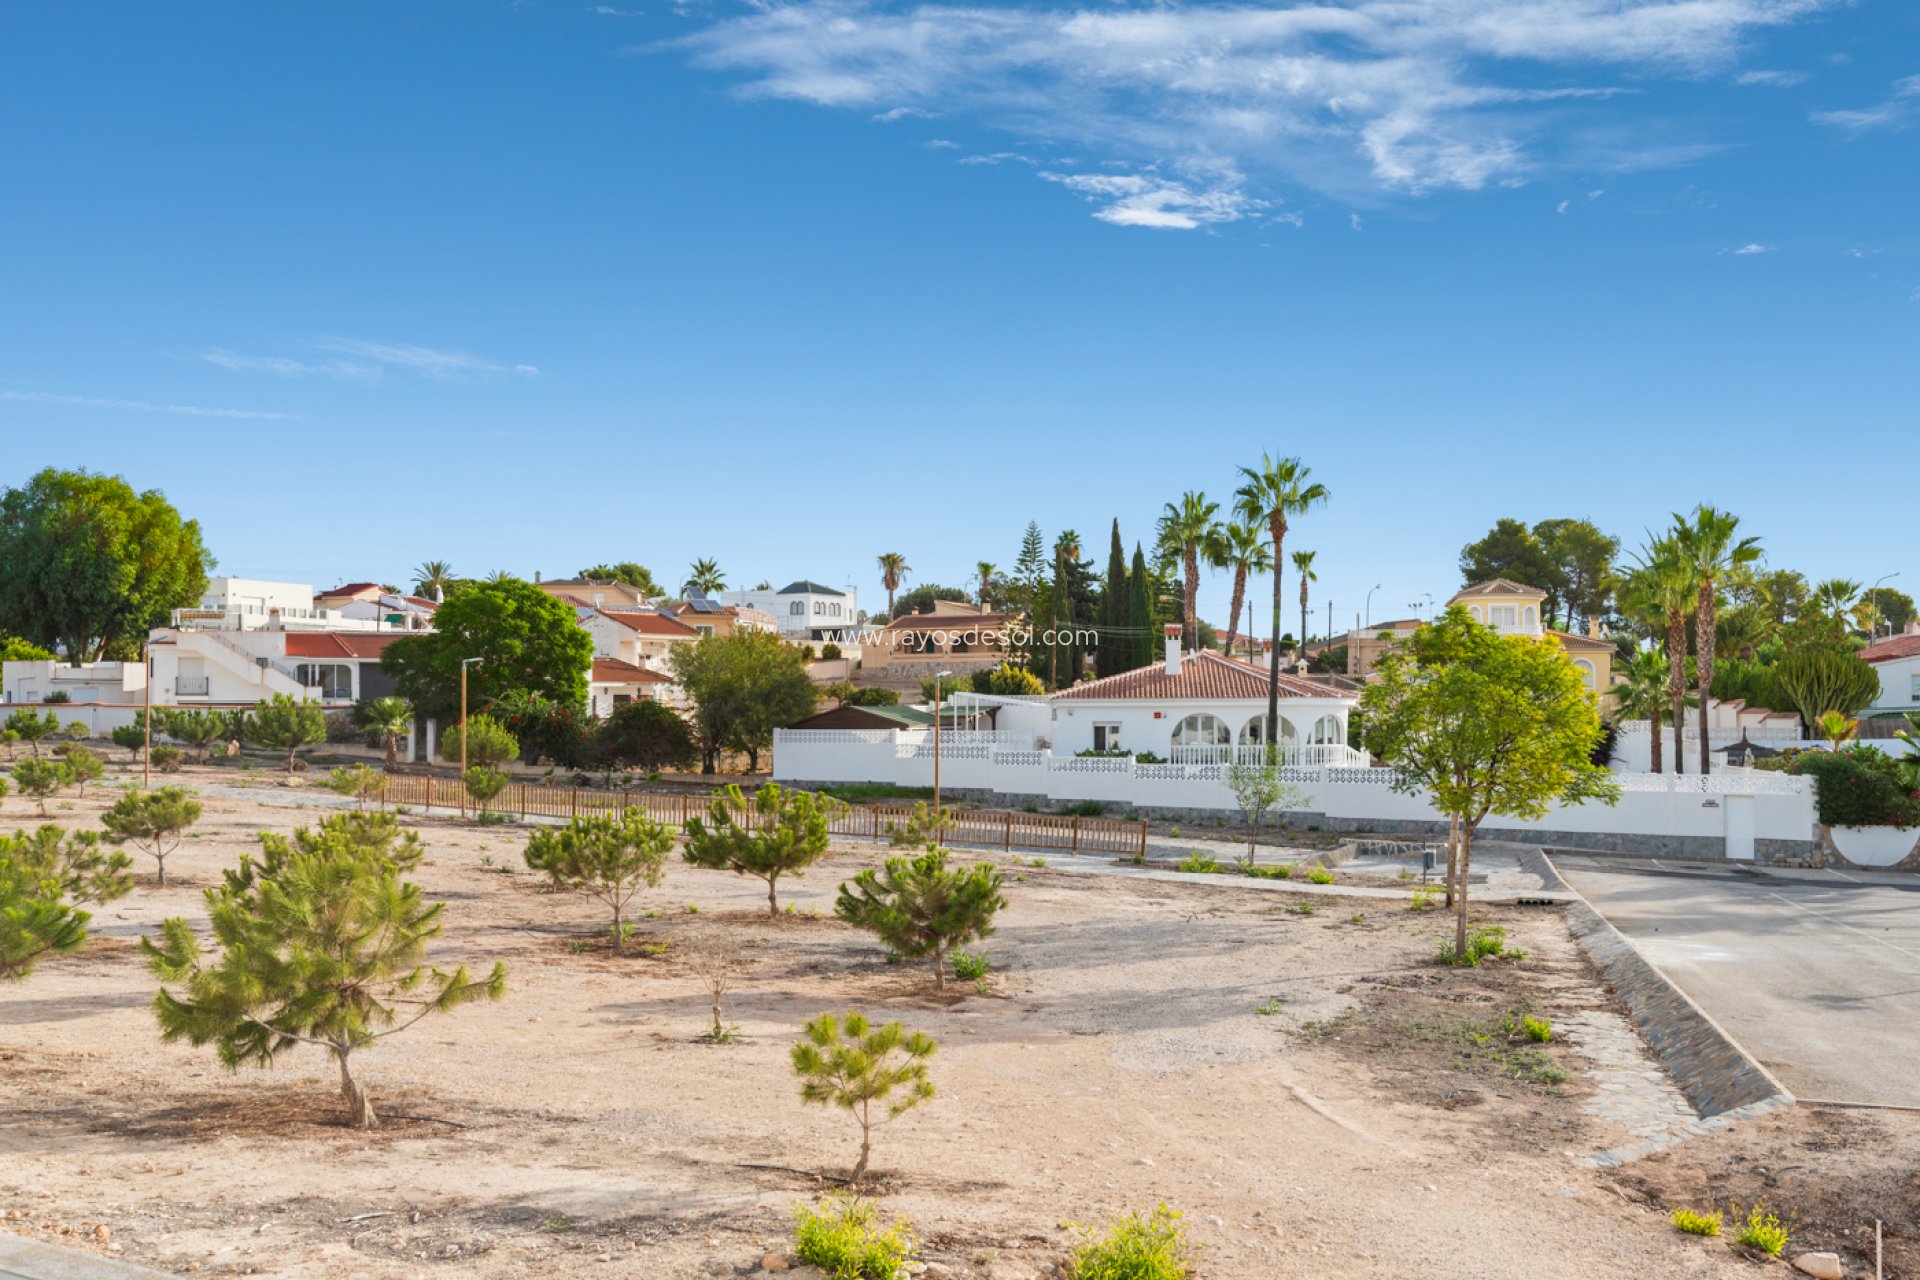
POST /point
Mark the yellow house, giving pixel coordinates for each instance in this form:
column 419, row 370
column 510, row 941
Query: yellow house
column 1510, row 609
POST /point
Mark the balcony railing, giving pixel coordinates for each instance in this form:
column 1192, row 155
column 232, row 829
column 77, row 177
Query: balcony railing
column 1317, row 755
column 190, row 686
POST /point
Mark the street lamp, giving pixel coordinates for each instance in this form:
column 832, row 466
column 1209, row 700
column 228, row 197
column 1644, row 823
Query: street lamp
column 464, row 664
column 1375, row 587
column 939, row 682
column 1878, row 612
column 146, row 723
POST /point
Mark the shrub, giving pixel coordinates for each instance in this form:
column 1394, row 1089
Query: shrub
column 1484, row 943
column 1302, row 908
column 1008, row 681
column 1424, row 897
column 488, row 743
column 131, row 737
column 84, row 766
column 41, row 779
column 851, row 1065
column 1199, row 863
column 167, row 759
column 969, row 966
column 829, row 651
column 360, row 782
column 922, row 828
column 1276, row 871
column 1696, row 1224
column 153, row 821
column 918, row 907
column 644, row 735
column 29, row 727
column 1538, row 1030
column 845, row 1238
column 1138, row 1246
column 1862, row 787
column 778, row 832
column 283, row 723
column 1083, row 809
column 606, row 857
column 483, row 784
column 1761, row 1230
column 198, row 729
column 874, row 698
column 1317, row 874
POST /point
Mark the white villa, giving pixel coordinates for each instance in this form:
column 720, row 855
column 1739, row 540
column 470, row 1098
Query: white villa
column 805, row 610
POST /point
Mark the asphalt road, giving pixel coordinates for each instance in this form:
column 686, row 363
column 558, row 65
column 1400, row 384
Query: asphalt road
column 1815, row 973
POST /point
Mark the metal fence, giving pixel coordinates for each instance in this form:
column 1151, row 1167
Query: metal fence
column 1003, row 829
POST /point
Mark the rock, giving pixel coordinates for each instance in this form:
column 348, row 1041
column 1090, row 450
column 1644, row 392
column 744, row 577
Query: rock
column 774, row 1262
column 1821, row 1266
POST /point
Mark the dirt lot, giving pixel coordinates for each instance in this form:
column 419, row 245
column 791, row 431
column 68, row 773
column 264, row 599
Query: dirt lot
column 1315, row 1094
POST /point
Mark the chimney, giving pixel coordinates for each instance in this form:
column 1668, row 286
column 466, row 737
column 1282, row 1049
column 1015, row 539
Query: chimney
column 1173, row 648
column 1913, row 627
column 273, row 619
column 536, row 577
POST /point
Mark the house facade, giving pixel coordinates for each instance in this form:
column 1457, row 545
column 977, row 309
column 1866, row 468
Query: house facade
column 195, row 666
column 1896, row 660
column 953, row 634
column 613, row 683
column 1509, row 608
column 806, row 610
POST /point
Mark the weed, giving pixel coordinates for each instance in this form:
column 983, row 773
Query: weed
column 1200, row 863
column 1696, row 1224
column 1317, row 874
column 1138, row 1246
column 1538, row 1030
column 558, row 1223
column 983, row 988
column 1174, row 832
column 723, row 1035
column 1083, row 809
column 969, row 967
column 578, row 945
column 894, row 957
column 1277, row 872
column 1532, row 1066
column 1425, row 897
column 1021, row 878
column 654, row 948
column 1320, row 1030
column 1358, row 917
column 1267, row 1008
column 1405, row 873
column 1762, row 1230
column 1038, row 862
column 845, row 1238
column 1302, row 908
column 693, row 908
column 492, row 818
column 1488, row 942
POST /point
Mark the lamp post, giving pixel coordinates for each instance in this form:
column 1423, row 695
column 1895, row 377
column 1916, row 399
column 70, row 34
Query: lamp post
column 146, row 725
column 1878, row 612
column 464, row 664
column 939, row 682
column 1370, row 591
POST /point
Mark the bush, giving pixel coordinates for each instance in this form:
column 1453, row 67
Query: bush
column 483, row 784
column 131, row 737
column 1200, row 864
column 1150, row 1246
column 1762, row 1230
column 359, row 782
column 487, row 743
column 644, row 735
column 84, row 766
column 1862, row 787
column 969, row 967
column 844, row 1238
column 282, row 722
column 1083, row 809
column 1424, row 896
column 1317, row 874
column 1697, row 1224
column 829, row 651
column 41, row 779
column 167, row 759
column 545, row 729
column 874, row 698
column 1485, row 943
column 1538, row 1030
column 918, row 907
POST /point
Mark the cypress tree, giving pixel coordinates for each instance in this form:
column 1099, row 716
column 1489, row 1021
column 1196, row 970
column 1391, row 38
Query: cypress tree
column 1115, row 607
column 1139, row 611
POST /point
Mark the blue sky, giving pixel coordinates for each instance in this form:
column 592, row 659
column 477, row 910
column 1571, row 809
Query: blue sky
column 528, row 286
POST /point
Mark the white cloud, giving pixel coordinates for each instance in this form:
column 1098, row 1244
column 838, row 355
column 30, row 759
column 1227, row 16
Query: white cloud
column 1291, row 219
column 997, row 157
column 940, row 144
column 142, row 406
column 1409, row 95
column 288, row 367
column 1596, row 193
column 1353, row 220
column 1748, row 250
column 365, row 361
column 1562, row 206
column 902, row 113
column 1772, row 79
column 1897, row 110
column 1149, row 200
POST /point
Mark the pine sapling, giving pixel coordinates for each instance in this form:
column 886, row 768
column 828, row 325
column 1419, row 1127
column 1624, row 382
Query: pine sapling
column 41, row 779
column 153, row 821
column 778, row 832
column 877, row 1074
column 606, row 857
column 919, row 907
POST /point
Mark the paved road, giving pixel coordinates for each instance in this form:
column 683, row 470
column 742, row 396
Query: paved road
column 1816, row 973
column 23, row 1259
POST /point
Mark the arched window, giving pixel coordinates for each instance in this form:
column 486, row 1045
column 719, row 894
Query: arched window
column 1327, row 732
column 1473, row 611
column 1587, row 674
column 1254, row 732
column 1289, row 736
column 1531, row 616
column 1202, row 729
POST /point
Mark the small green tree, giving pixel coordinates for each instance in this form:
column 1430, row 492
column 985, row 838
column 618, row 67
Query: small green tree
column 41, row 779
column 3, row 788
column 36, row 917
column 918, row 907
column 78, row 731
column 606, row 857
column 74, row 860
column 377, row 838
column 1259, row 788
column 197, row 728
column 9, row 738
column 321, row 946
column 488, row 743
column 852, row 1065
column 153, row 821
column 644, row 735
column 84, row 766
column 390, row 718
column 923, row 827
column 1484, row 724
column 363, row 783
column 131, row 737
column 285, row 724
column 778, row 832
column 31, row 727
column 483, row 784
column 1009, row 681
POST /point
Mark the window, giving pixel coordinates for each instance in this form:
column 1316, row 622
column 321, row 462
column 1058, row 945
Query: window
column 1327, row 732
column 1106, row 737
column 1202, row 729
column 332, row 679
column 1585, row 669
column 1505, row 615
column 703, row 628
column 1253, row 732
column 798, row 608
column 1530, row 617
column 1916, row 688
column 1473, row 611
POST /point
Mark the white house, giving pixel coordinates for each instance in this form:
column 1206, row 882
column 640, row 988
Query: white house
column 806, row 610
column 1897, row 662
column 33, row 680
column 1203, row 708
column 199, row 666
column 614, row 682
column 640, row 639
column 248, row 604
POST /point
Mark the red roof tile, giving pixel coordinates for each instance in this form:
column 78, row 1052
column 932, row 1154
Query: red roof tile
column 1891, row 648
column 648, row 623
column 338, row 644
column 620, row 671
column 1205, row 675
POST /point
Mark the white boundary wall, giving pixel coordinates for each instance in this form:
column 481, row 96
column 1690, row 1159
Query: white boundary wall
column 1765, row 812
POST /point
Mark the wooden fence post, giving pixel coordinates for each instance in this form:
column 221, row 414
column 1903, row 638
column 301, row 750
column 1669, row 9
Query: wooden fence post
column 1076, row 833
column 573, row 801
column 1007, row 839
column 523, row 802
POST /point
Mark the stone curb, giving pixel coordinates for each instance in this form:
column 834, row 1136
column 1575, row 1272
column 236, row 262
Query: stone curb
column 1721, row 1081
column 20, row 1256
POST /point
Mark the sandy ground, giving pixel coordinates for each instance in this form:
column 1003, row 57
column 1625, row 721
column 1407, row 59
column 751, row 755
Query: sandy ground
column 1117, row 1058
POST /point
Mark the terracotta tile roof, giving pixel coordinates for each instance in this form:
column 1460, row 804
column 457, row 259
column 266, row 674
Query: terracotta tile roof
column 338, row 644
column 1574, row 640
column 1891, row 648
column 649, row 623
column 351, row 589
column 1205, row 675
column 947, row 621
column 620, row 671
column 1498, row 587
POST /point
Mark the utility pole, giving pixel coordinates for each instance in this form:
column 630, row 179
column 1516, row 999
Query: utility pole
column 464, row 664
column 939, row 683
column 146, row 724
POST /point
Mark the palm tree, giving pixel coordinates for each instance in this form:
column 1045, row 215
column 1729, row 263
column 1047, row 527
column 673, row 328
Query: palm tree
column 1661, row 590
column 1712, row 555
column 704, row 578
column 1275, row 491
column 1186, row 527
column 1642, row 694
column 1303, row 565
column 893, row 571
column 985, row 571
column 1241, row 546
column 500, row 575
column 1835, row 596
column 432, row 579
column 390, row 717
